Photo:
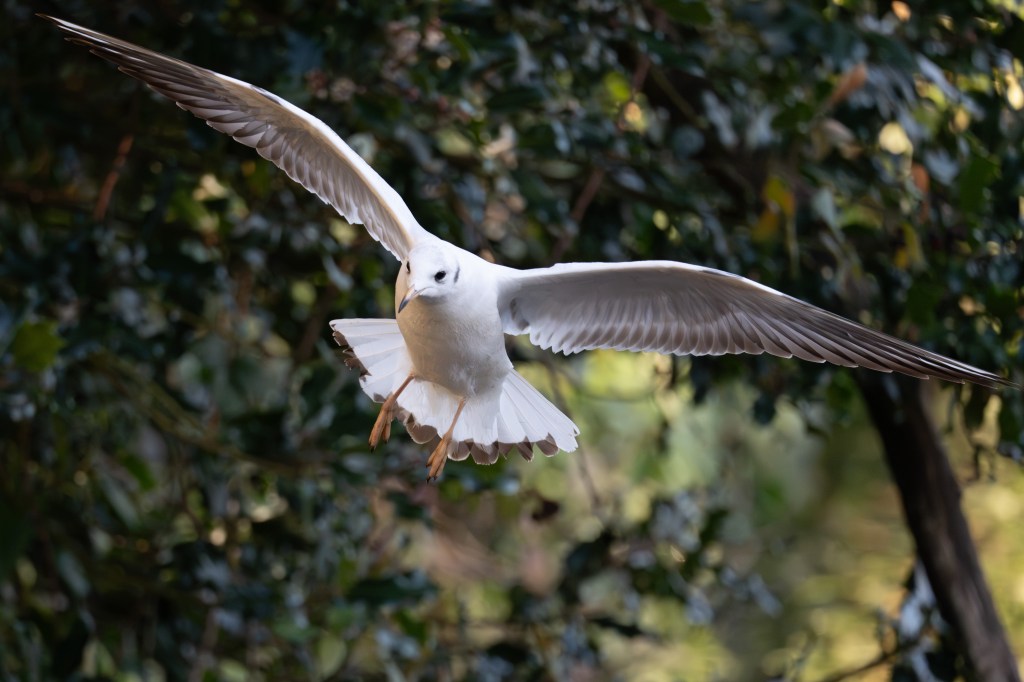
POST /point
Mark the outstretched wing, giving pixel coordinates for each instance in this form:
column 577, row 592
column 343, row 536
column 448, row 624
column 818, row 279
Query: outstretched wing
column 683, row 309
column 299, row 144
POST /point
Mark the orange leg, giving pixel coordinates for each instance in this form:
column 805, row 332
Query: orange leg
column 382, row 427
column 440, row 454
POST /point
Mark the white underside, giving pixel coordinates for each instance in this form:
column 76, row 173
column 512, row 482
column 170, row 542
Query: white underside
column 515, row 416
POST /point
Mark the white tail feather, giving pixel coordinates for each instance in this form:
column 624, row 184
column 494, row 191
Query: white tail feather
column 516, row 417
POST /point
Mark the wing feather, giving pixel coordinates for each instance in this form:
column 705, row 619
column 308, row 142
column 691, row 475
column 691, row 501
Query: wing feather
column 296, row 142
column 676, row 308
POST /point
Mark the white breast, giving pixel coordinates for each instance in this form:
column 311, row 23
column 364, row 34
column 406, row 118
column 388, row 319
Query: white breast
column 456, row 342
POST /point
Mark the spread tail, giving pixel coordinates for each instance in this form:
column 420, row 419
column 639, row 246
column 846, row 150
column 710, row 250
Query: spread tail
column 516, row 418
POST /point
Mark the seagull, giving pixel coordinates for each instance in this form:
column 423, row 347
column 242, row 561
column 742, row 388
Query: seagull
column 441, row 366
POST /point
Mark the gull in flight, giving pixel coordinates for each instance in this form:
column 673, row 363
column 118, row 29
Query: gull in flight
column 441, row 366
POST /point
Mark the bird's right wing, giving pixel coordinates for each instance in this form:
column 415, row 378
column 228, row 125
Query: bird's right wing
column 670, row 307
column 296, row 142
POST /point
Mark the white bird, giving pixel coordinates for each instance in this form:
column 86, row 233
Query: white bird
column 441, row 367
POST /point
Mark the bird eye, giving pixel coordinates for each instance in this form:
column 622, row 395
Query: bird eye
column 439, row 277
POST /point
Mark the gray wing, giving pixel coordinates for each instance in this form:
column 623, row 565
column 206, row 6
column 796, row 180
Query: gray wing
column 681, row 309
column 296, row 142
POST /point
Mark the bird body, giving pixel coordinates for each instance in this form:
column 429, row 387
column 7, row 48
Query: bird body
column 455, row 339
column 453, row 354
column 442, row 368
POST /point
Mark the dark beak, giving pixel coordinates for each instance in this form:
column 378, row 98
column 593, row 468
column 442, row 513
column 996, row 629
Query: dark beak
column 409, row 295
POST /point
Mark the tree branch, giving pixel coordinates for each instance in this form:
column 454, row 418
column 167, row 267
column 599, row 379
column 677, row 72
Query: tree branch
column 930, row 497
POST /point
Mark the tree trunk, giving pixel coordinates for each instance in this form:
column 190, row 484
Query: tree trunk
column 930, row 496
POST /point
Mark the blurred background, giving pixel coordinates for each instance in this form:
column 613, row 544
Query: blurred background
column 185, row 487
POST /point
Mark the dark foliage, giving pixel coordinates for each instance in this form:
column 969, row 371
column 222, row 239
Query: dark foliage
column 185, row 490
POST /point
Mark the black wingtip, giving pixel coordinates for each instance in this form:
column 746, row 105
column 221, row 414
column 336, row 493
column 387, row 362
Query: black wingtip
column 993, row 382
column 66, row 26
column 1002, row 382
column 61, row 23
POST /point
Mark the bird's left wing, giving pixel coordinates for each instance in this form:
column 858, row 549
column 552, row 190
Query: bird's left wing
column 298, row 143
column 671, row 307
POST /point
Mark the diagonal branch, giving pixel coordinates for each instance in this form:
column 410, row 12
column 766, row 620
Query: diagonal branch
column 107, row 190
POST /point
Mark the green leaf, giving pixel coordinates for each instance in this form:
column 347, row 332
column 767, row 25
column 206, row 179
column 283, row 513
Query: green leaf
column 15, row 532
column 923, row 299
column 36, row 345
column 617, row 87
column 72, row 573
column 233, row 671
column 139, row 470
column 120, row 501
column 975, row 180
column 330, row 654
column 690, row 13
column 516, row 99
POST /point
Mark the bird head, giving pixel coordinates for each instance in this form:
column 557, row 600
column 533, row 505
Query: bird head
column 431, row 273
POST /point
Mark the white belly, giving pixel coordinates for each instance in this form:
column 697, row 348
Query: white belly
column 460, row 347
